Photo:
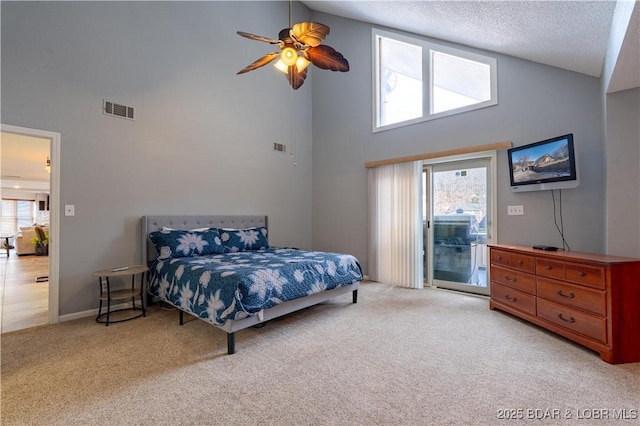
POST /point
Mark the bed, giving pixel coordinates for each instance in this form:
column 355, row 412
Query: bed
column 221, row 269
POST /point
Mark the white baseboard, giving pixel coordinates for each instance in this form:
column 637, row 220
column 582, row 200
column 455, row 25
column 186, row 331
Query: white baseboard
column 91, row 312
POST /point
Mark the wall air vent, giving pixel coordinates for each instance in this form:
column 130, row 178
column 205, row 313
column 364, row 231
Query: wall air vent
column 117, row 110
column 280, row 147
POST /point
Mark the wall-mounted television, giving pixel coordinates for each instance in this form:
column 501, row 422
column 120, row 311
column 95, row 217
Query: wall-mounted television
column 544, row 165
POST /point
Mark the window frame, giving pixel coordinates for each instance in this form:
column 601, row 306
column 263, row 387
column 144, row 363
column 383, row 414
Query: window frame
column 427, row 77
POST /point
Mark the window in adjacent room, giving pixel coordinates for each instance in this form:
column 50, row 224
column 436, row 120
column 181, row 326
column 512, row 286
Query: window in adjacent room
column 17, row 213
column 456, row 81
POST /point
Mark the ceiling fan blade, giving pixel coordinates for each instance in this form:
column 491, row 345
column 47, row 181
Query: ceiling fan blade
column 296, row 78
column 257, row 37
column 260, row 62
column 327, row 58
column 309, row 33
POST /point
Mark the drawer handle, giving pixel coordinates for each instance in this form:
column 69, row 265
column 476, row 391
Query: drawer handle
column 519, row 262
column 499, row 257
column 510, row 298
column 548, row 268
column 581, row 274
column 508, row 278
column 569, row 320
column 568, row 296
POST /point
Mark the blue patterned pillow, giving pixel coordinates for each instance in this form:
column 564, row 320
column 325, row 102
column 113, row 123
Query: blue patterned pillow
column 186, row 243
column 235, row 240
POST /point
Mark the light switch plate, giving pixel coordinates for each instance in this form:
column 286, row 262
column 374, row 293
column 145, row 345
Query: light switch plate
column 515, row 210
column 69, row 210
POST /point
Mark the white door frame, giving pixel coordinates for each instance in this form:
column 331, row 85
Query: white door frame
column 492, row 233
column 54, row 210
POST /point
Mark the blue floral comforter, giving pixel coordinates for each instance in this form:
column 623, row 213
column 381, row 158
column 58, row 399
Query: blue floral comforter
column 237, row 285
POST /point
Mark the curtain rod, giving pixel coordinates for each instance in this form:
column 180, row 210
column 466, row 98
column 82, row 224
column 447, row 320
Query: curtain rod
column 448, row 153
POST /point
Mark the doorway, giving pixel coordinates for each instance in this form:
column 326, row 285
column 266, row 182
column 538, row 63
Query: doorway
column 458, row 206
column 53, row 141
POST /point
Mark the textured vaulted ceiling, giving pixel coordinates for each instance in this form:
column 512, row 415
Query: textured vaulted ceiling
column 572, row 35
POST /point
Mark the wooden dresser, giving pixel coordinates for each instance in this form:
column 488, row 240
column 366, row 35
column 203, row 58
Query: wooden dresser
column 591, row 299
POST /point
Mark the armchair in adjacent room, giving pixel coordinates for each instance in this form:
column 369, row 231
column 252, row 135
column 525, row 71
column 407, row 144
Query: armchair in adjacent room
column 42, row 242
column 23, row 241
column 42, row 247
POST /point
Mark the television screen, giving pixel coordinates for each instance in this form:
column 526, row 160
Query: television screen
column 544, row 165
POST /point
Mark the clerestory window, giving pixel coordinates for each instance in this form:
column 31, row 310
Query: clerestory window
column 416, row 80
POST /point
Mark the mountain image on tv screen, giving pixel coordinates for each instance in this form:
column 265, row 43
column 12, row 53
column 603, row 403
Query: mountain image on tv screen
column 541, row 162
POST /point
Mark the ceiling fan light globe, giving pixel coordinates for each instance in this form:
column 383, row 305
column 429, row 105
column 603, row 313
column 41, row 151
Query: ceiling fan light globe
column 289, row 56
column 302, row 63
column 280, row 66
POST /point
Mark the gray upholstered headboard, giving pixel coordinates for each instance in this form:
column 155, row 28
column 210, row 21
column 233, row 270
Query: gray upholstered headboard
column 155, row 223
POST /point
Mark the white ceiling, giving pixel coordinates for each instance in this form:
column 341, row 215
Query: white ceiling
column 572, row 35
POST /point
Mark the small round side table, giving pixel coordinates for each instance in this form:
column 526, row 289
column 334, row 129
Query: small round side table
column 107, row 294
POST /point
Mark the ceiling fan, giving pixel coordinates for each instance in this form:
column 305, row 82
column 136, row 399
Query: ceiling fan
column 299, row 46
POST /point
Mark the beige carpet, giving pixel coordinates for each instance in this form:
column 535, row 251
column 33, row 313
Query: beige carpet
column 399, row 356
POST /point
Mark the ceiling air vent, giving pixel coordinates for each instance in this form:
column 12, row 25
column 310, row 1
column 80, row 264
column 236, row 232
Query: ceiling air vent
column 117, row 110
column 280, row 147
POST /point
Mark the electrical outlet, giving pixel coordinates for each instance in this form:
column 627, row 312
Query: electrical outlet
column 515, row 210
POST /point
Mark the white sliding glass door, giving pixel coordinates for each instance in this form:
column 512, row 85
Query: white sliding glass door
column 458, row 224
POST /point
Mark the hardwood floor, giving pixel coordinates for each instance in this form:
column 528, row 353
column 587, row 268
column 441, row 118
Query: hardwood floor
column 24, row 302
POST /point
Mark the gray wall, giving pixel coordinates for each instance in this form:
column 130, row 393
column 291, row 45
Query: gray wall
column 202, row 140
column 535, row 102
column 623, row 175
column 203, row 137
column 621, row 116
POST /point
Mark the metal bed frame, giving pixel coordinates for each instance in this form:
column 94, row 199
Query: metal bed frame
column 186, row 222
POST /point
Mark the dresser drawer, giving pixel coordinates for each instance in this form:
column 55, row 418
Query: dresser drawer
column 574, row 296
column 523, row 262
column 580, row 322
column 515, row 279
column 499, row 257
column 549, row 268
column 590, row 275
column 516, row 299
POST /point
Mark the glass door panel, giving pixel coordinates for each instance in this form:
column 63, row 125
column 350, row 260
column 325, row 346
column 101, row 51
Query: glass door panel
column 459, row 203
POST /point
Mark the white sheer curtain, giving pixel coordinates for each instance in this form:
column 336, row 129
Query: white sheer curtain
column 395, row 224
